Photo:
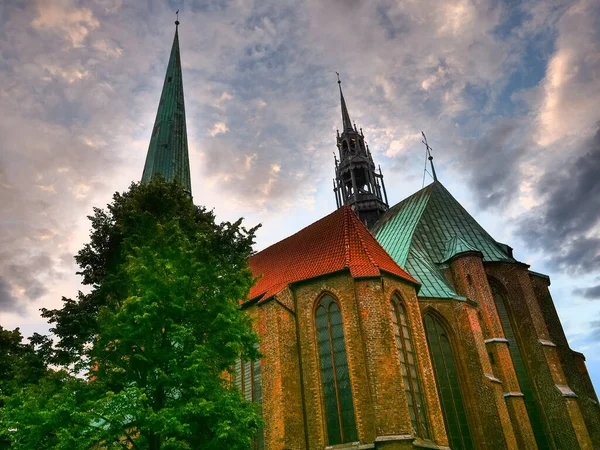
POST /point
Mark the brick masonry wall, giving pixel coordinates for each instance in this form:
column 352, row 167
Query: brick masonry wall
column 481, row 396
column 572, row 362
column 291, row 372
column 470, row 280
column 562, row 417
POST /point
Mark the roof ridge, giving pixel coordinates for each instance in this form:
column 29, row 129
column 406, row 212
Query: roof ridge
column 363, row 244
column 291, row 236
column 475, row 221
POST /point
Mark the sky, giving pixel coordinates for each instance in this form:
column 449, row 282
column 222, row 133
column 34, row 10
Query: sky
column 506, row 91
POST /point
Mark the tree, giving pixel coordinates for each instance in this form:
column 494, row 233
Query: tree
column 160, row 327
column 21, row 364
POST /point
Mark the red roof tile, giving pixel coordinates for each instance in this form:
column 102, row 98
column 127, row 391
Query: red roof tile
column 336, row 242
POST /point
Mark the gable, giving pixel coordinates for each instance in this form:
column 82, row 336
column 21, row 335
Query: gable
column 420, row 232
column 339, row 241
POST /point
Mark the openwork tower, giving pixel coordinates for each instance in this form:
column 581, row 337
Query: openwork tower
column 356, row 182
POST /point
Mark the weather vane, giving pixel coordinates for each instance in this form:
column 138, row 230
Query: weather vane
column 177, row 17
column 338, row 75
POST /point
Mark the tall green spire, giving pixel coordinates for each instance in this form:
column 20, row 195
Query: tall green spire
column 168, row 150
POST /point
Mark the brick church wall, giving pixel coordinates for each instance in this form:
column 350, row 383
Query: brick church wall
column 291, row 372
column 572, row 362
column 561, row 415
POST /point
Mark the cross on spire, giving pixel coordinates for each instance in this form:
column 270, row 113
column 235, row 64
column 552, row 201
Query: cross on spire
column 429, row 156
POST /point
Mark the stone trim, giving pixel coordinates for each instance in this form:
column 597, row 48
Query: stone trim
column 420, row 443
column 513, row 394
column 496, row 340
column 566, row 391
column 349, row 446
column 492, row 378
column 546, row 343
column 395, row 437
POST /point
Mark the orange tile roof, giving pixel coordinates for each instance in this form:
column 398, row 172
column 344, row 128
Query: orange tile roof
column 336, row 242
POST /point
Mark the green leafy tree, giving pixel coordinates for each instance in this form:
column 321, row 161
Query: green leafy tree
column 21, row 364
column 160, row 328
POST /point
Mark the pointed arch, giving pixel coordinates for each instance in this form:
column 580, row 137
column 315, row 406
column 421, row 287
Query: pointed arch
column 447, row 381
column 335, row 377
column 248, row 379
column 344, row 147
column 409, row 367
column 506, row 320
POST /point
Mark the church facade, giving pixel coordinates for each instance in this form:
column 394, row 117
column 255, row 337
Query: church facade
column 397, row 327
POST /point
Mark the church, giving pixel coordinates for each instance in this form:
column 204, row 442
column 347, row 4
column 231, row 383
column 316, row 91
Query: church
column 396, row 327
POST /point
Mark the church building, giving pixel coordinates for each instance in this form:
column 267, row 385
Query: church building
column 396, row 327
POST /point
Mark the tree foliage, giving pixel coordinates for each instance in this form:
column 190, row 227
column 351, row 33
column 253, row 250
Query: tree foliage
column 160, row 327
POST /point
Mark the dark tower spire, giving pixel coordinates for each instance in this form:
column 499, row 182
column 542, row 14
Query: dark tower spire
column 357, row 183
column 168, row 149
column 346, row 122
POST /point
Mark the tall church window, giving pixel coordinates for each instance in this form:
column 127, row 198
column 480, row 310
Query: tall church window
column 248, row 380
column 335, row 379
column 448, row 384
column 520, row 369
column 408, row 365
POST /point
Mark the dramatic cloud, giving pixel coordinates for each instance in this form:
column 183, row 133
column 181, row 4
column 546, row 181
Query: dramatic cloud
column 7, row 301
column 567, row 224
column 591, row 293
column 493, row 159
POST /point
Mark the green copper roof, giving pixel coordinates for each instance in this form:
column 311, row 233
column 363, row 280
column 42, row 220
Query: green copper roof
column 455, row 246
column 168, row 150
column 420, row 266
column 422, row 230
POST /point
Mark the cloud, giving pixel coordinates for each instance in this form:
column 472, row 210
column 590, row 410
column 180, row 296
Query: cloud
column 73, row 24
column 218, row 128
column 570, row 88
column 567, row 224
column 594, row 335
column 590, row 293
column 493, row 159
column 7, row 301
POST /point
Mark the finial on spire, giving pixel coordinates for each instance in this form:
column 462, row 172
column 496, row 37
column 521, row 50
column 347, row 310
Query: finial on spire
column 177, row 18
column 429, row 156
column 338, row 75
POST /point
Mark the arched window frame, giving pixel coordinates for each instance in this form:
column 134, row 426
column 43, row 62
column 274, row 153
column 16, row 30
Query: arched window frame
column 517, row 356
column 447, row 331
column 248, row 379
column 346, row 423
column 413, row 386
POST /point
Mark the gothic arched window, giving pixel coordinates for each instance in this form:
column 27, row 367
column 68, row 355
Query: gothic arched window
column 447, row 381
column 337, row 393
column 519, row 365
column 248, row 380
column 408, row 365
